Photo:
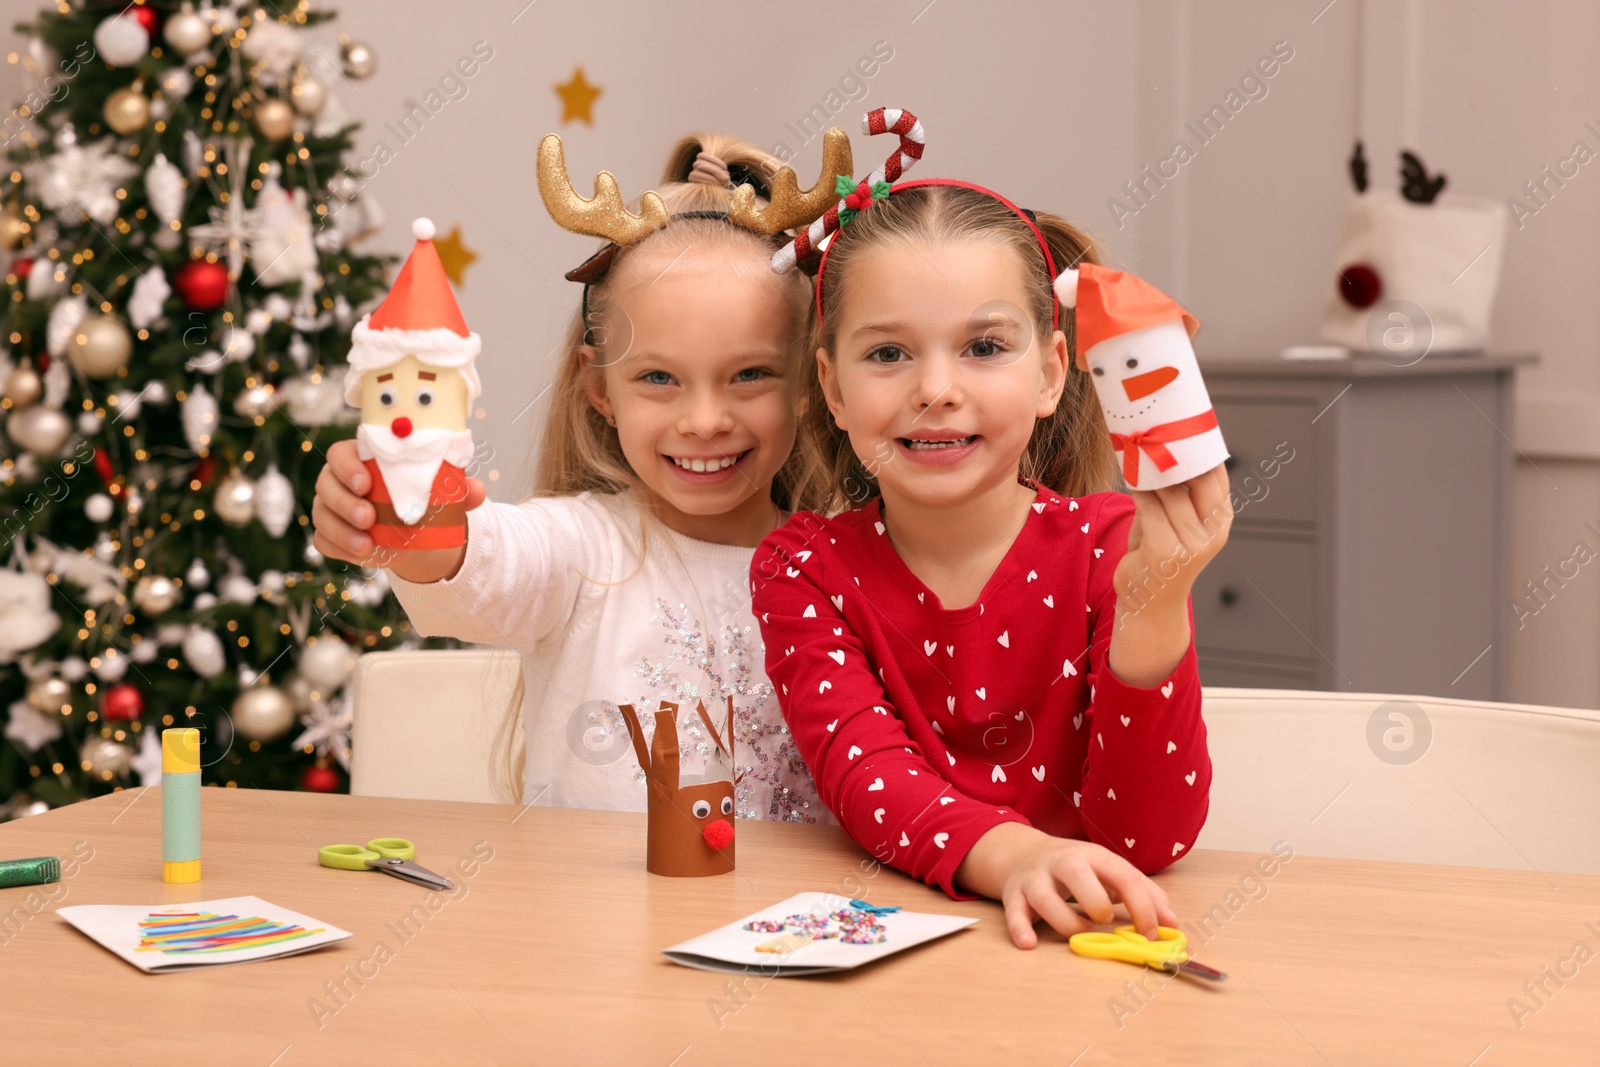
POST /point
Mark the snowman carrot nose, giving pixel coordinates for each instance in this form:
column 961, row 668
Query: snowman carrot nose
column 1142, row 385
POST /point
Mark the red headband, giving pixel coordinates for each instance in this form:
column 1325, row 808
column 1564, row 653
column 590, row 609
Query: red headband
column 1049, row 260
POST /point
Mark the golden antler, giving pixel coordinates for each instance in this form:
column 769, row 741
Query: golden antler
column 789, row 206
column 604, row 216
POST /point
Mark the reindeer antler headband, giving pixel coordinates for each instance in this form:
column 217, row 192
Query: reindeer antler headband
column 606, row 216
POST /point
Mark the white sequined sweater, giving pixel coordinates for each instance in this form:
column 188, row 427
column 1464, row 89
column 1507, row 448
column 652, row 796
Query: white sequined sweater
column 604, row 614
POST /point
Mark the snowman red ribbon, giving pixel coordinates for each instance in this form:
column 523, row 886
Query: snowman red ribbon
column 1153, row 442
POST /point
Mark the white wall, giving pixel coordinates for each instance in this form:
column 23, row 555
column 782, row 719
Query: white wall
column 1057, row 105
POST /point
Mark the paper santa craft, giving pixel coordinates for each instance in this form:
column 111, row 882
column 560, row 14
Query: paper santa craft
column 412, row 374
column 690, row 821
column 1133, row 341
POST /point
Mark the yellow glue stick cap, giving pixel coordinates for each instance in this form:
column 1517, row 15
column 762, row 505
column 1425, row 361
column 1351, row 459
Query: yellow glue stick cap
column 180, row 751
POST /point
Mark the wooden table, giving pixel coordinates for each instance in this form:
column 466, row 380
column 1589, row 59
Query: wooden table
column 549, row 952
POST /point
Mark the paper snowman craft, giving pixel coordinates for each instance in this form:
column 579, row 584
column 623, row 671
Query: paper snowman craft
column 413, row 375
column 689, row 818
column 1133, row 341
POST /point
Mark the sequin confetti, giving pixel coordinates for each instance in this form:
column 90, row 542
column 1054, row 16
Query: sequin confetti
column 850, row 926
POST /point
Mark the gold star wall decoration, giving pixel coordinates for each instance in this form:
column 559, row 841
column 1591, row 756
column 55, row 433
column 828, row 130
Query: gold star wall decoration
column 577, row 98
column 454, row 256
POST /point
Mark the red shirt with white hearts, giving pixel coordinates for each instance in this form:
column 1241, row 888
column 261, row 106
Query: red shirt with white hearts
column 924, row 727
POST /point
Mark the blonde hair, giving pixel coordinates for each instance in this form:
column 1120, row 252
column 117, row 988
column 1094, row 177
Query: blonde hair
column 580, row 452
column 1069, row 450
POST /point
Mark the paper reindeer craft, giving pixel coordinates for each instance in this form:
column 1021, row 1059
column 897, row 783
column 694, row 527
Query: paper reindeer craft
column 1133, row 341
column 413, row 375
column 690, row 823
column 1416, row 273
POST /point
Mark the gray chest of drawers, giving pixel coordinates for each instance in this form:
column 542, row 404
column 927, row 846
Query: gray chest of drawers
column 1370, row 540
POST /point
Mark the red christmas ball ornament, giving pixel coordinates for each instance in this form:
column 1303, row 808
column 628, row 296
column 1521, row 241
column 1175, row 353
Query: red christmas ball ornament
column 320, row 778
column 144, row 16
column 204, row 471
column 1360, row 285
column 102, row 466
column 122, row 703
column 201, row 284
column 22, row 268
column 719, row 835
column 42, row 362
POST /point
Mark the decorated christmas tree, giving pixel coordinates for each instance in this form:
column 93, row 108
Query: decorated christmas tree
column 181, row 275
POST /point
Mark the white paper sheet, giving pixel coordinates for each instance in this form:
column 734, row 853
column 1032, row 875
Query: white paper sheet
column 169, row 948
column 732, row 948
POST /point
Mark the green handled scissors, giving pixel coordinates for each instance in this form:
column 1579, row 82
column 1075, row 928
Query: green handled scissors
column 1170, row 952
column 391, row 855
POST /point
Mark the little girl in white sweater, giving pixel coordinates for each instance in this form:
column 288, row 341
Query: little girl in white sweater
column 667, row 457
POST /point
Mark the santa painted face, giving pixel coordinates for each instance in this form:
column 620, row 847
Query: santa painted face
column 411, row 395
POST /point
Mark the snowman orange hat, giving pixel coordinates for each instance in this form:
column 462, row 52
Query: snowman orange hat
column 1110, row 303
column 419, row 317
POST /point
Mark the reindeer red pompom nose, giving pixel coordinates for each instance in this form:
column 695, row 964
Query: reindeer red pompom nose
column 401, row 427
column 1360, row 285
column 719, row 834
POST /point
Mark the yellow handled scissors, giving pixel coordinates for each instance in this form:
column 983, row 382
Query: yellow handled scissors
column 1170, row 952
column 391, row 855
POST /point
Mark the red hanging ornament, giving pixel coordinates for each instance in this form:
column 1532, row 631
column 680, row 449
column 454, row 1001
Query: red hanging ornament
column 320, row 778
column 201, row 284
column 42, row 361
column 122, row 703
column 22, row 268
column 102, row 466
column 144, row 16
column 204, row 471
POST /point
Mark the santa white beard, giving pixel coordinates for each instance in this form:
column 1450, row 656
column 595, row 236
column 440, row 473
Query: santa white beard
column 409, row 464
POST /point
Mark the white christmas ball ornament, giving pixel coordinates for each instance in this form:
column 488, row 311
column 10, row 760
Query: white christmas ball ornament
column 197, row 577
column 73, row 668
column 202, row 651
column 121, row 41
column 98, row 507
column 235, row 499
column 40, row 430
column 186, row 32
column 237, row 589
column 101, row 756
column 113, row 665
column 327, row 663
column 262, row 713
column 88, row 423
column 155, row 593
column 101, row 345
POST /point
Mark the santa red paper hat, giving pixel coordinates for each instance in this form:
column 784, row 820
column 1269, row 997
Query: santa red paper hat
column 1112, row 302
column 419, row 317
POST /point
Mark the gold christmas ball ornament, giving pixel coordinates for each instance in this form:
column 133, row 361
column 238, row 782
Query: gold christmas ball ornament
column 262, row 713
column 235, row 502
column 274, row 118
column 187, row 32
column 360, row 61
column 308, row 95
column 48, row 694
column 127, row 111
column 105, row 759
column 155, row 594
column 100, row 346
column 13, row 228
column 23, row 386
column 40, row 430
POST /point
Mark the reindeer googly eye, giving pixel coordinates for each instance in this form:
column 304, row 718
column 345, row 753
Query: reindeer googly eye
column 701, row 808
column 727, row 805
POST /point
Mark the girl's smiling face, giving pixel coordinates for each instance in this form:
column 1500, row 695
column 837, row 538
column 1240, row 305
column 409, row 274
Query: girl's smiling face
column 938, row 372
column 696, row 370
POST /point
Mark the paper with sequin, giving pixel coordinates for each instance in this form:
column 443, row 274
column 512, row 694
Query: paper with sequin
column 807, row 934
column 163, row 938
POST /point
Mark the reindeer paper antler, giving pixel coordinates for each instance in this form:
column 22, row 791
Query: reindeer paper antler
column 789, row 206
column 605, row 215
column 855, row 197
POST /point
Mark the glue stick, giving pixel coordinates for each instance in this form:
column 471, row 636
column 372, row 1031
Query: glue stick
column 180, row 805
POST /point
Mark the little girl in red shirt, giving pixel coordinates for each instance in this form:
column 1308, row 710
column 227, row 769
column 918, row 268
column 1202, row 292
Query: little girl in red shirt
column 986, row 659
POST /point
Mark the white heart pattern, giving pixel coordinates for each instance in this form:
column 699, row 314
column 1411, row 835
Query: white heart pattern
column 937, row 728
column 791, row 572
column 1084, row 527
column 1189, row 778
column 837, row 655
column 1032, row 575
column 940, row 839
column 929, row 646
column 1166, row 690
column 1038, row 773
column 803, row 555
column 838, row 601
column 838, row 631
column 1171, row 748
column 998, row 774
column 950, row 650
column 824, row 686
column 1067, row 669
column 983, row 692
column 946, row 800
column 950, row 704
column 1111, row 794
column 1077, row 721
column 1177, row 847
column 1038, row 507
column 1125, row 719
column 832, row 724
column 951, row 756
column 1050, row 601
column 876, row 786
column 1077, row 799
column 855, row 750
column 878, row 815
column 904, row 840
column 1128, row 841
column 1019, row 716
column 789, row 651
column 879, row 527
column 919, row 598
column 1099, row 552
column 810, row 612
column 1072, row 505
column 1004, row 639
